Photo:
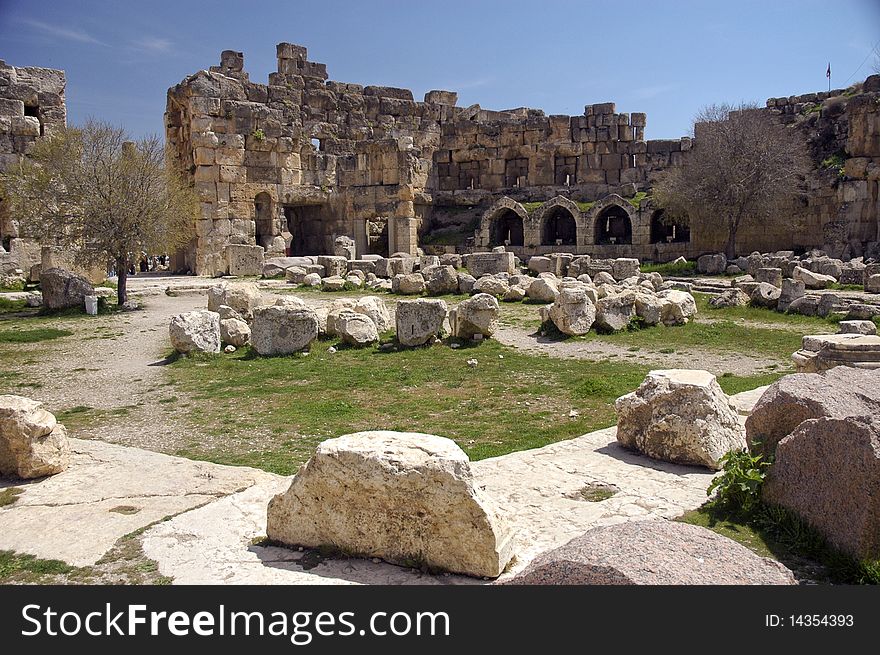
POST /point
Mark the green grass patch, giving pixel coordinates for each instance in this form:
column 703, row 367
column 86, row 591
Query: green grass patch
column 271, row 412
column 9, row 495
column 7, row 305
column 32, row 336
column 671, row 269
column 15, row 567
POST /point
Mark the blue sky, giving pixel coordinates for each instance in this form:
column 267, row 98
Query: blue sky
column 667, row 59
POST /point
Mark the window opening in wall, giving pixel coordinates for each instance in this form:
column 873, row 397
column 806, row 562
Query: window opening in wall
column 33, row 110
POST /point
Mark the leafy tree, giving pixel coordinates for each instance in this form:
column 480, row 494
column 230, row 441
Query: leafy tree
column 101, row 196
column 745, row 168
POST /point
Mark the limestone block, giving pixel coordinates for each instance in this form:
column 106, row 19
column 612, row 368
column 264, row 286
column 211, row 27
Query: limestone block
column 195, row 332
column 680, row 416
column 404, row 497
column 32, row 443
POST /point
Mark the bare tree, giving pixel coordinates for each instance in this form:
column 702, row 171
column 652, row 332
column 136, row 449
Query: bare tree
column 745, row 167
column 103, row 197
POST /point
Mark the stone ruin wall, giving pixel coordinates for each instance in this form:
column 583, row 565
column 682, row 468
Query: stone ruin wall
column 31, row 106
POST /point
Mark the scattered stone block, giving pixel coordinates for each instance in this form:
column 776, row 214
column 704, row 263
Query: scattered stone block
column 32, row 443
column 419, row 321
column 680, row 416
column 195, row 332
column 282, row 330
column 403, row 497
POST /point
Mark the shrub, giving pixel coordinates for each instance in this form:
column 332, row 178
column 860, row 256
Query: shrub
column 738, row 488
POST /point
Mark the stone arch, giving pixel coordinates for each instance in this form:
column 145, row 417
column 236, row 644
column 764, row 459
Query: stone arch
column 611, row 221
column 264, row 219
column 558, row 219
column 662, row 232
column 504, row 222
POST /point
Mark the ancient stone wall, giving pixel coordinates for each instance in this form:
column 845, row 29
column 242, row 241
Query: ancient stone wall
column 31, row 106
column 295, row 163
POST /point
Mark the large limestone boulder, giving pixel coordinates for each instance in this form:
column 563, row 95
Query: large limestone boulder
column 32, row 443
column 466, row 283
column 404, row 497
column 680, row 416
column 793, row 399
column 356, row 329
column 477, row 315
column 62, row 289
column 409, row 285
column 614, row 312
column 235, row 332
column 195, row 332
column 543, row 290
column 681, row 308
column 283, row 330
column 651, row 308
column 828, row 472
column 242, row 297
column 573, row 312
column 375, row 308
column 765, row 295
column 242, row 259
column 791, row 290
column 490, row 263
column 491, row 285
column 769, row 275
column 333, row 265
column 442, row 280
column 653, row 552
column 419, row 321
column 712, row 264
column 812, row 280
column 334, row 310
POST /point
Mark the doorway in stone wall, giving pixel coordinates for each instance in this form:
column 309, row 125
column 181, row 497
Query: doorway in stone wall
column 264, row 213
column 305, row 224
column 377, row 237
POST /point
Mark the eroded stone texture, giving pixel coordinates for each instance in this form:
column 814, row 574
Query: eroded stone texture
column 419, row 321
column 196, row 332
column 62, row 289
column 680, row 416
column 477, row 315
column 32, row 443
column 283, row 330
column 404, row 497
column 828, row 472
column 655, row 552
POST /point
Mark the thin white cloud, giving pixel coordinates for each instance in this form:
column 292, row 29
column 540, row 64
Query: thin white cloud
column 153, row 44
column 654, row 91
column 68, row 33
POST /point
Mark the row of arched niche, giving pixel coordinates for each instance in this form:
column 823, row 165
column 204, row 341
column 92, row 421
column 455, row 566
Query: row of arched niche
column 559, row 222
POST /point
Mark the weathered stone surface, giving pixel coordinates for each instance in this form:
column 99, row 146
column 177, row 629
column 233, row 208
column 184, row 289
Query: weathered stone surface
column 62, row 289
column 195, row 332
column 466, row 283
column 857, row 327
column 791, row 290
column 356, row 329
column 283, row 331
column 812, row 280
column 543, row 289
column 32, row 443
column 624, row 267
column 312, row 280
column 514, row 294
column 680, row 309
column 244, row 260
column 479, row 264
column 476, row 315
column 872, row 283
column 409, row 285
column 333, row 265
column 822, row 352
column 491, row 285
column 333, row 283
column 375, row 308
column 295, row 274
column 539, row 264
column 442, row 280
column 419, row 321
column 235, row 332
column 769, row 276
column 807, row 305
column 838, row 393
column 828, row 471
column 404, row 497
column 614, row 312
column 653, row 552
column 573, row 312
column 651, row 308
column 730, row 298
column 242, row 297
column 680, row 416
column 765, row 295
column 712, row 264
